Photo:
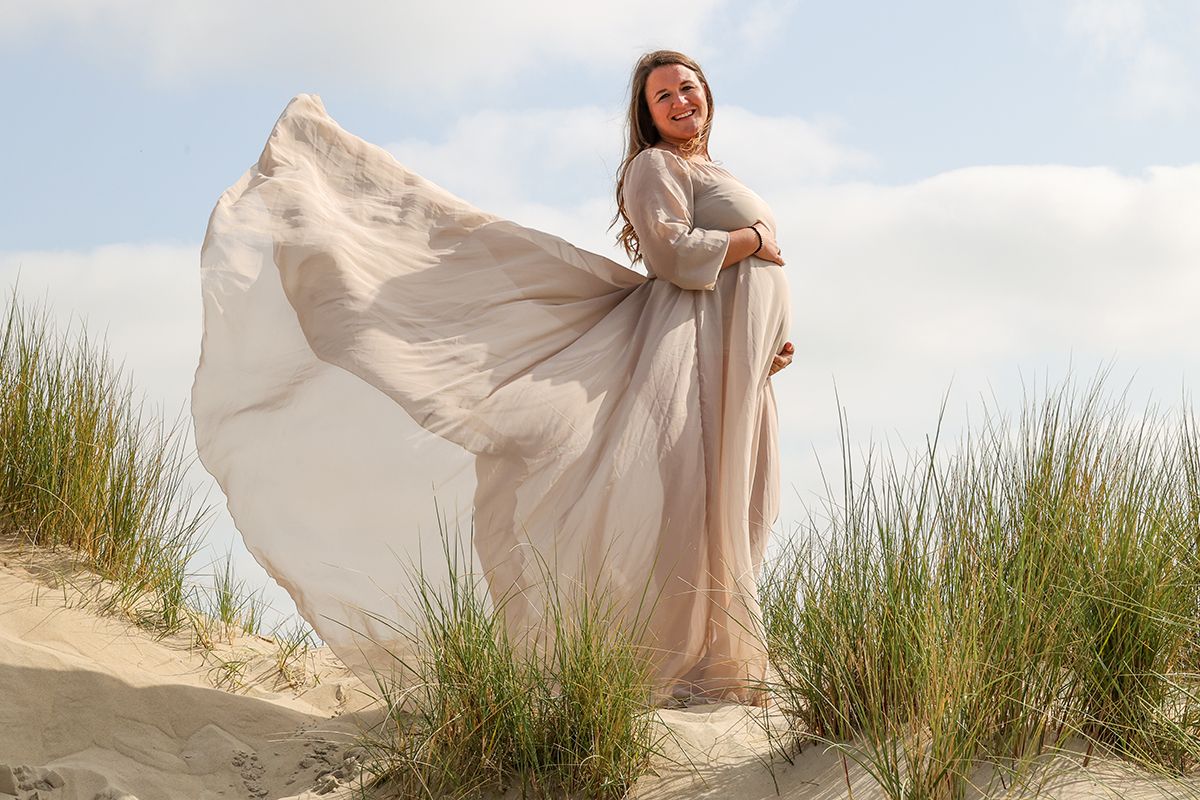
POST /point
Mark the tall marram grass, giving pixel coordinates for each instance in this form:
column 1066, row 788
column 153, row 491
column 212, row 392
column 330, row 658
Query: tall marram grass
column 955, row 618
column 82, row 467
column 566, row 712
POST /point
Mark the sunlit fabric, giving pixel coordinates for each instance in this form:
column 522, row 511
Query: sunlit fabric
column 383, row 362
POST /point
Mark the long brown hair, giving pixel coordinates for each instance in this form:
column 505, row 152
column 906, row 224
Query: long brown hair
column 642, row 133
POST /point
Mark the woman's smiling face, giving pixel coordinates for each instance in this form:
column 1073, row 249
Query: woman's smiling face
column 677, row 101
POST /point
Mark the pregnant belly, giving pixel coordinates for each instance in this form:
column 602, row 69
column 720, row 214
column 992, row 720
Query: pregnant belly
column 762, row 292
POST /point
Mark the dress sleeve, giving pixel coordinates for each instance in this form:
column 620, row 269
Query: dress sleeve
column 659, row 201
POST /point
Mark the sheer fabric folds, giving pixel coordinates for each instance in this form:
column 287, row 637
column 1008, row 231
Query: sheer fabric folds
column 384, row 365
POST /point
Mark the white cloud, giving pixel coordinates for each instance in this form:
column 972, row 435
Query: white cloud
column 778, row 153
column 497, row 157
column 1128, row 35
column 760, row 23
column 1000, row 262
column 1110, row 25
column 406, row 45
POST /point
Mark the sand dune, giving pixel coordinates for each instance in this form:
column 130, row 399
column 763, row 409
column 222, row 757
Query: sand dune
column 96, row 701
column 93, row 708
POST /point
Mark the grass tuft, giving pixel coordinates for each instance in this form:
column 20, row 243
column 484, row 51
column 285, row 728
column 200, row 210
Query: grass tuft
column 293, row 644
column 957, row 618
column 565, row 712
column 82, row 467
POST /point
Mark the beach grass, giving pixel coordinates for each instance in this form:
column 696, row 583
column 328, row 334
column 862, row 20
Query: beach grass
column 229, row 606
column 294, row 642
column 86, row 469
column 950, row 620
column 565, row 712
column 83, row 466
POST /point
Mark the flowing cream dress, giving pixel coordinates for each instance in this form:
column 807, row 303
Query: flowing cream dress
column 390, row 375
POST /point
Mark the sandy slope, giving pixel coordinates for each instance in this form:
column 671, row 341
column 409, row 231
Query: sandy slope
column 112, row 711
column 92, row 708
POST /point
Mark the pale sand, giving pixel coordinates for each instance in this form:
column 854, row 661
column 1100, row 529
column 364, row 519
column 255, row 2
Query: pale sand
column 93, row 708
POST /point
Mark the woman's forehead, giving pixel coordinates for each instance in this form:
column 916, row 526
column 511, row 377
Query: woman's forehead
column 669, row 75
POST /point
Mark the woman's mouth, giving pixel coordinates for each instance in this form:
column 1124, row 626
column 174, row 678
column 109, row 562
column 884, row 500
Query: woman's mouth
column 684, row 115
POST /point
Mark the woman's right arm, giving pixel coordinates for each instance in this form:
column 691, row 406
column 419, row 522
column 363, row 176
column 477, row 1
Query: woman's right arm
column 659, row 201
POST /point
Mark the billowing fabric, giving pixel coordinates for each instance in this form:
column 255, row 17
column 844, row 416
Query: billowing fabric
column 384, row 364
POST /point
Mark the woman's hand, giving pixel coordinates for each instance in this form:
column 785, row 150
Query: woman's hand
column 744, row 242
column 770, row 248
column 783, row 358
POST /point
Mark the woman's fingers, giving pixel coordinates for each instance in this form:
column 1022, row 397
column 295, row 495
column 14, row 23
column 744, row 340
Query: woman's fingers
column 780, row 361
column 773, row 250
column 782, row 358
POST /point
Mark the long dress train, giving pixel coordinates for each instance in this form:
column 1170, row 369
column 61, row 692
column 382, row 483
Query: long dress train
column 374, row 345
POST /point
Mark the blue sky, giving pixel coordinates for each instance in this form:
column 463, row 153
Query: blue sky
column 104, row 131
column 970, row 194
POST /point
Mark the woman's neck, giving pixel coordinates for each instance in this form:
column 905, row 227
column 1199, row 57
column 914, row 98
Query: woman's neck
column 674, row 148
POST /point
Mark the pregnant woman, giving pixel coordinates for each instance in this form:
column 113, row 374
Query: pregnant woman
column 374, row 346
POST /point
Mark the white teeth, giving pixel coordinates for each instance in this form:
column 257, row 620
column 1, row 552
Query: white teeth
column 687, row 114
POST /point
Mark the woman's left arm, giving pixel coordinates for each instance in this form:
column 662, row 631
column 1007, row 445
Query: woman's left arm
column 755, row 240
